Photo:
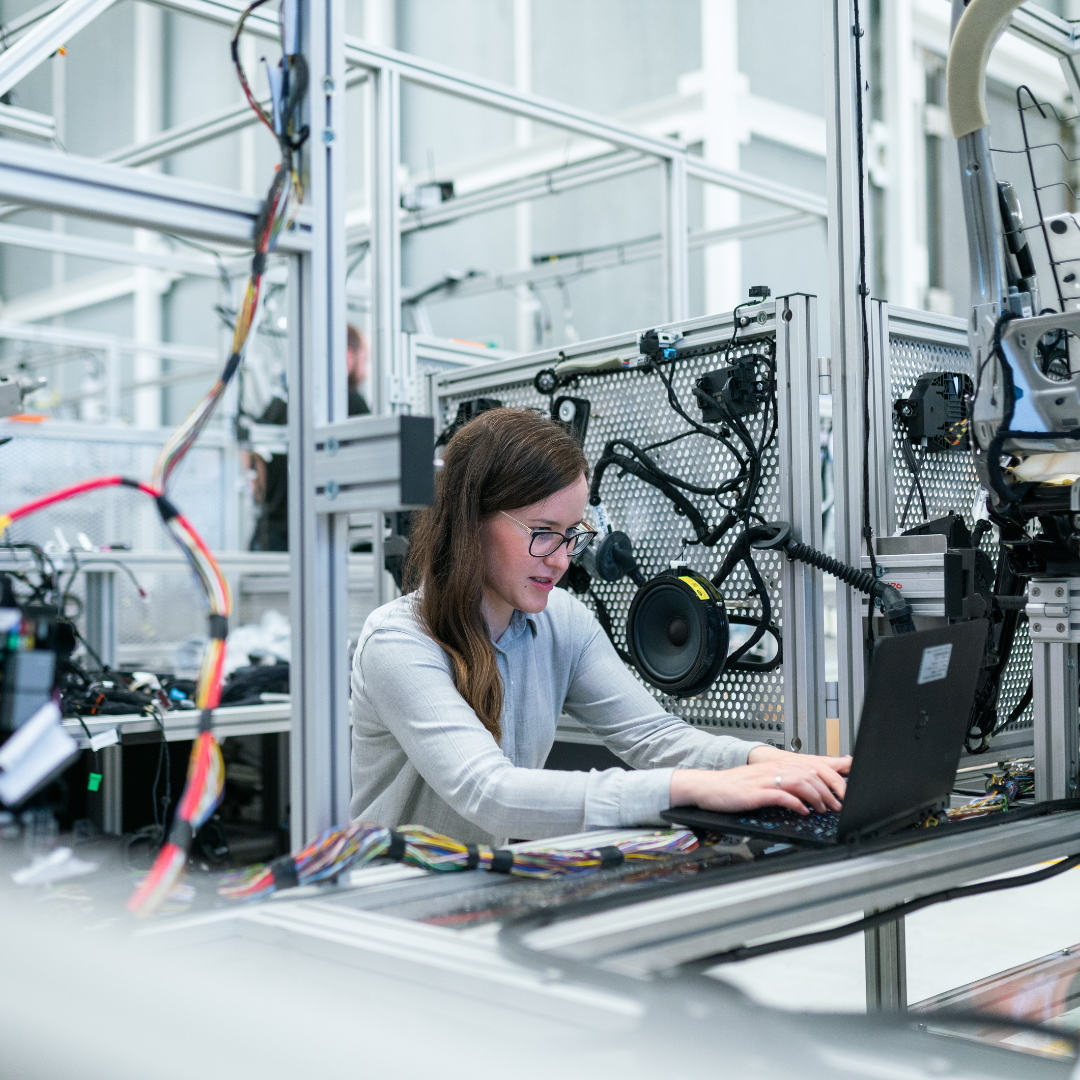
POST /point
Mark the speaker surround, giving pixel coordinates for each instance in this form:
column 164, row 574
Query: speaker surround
column 677, row 632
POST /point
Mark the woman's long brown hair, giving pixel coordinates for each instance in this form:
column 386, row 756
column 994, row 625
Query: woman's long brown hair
column 503, row 459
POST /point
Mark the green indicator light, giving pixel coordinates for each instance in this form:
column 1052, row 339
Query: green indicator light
column 94, row 782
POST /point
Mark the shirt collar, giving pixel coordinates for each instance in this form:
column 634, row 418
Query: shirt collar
column 518, row 623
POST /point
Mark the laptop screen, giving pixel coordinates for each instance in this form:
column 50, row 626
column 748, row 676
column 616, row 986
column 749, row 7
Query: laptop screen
column 915, row 713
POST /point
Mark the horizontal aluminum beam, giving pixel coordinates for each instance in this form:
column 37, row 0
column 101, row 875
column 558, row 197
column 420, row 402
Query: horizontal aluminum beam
column 374, row 463
column 618, row 255
column 50, row 180
column 45, row 37
column 181, row 726
column 89, row 339
column 499, row 96
column 594, row 171
column 198, row 132
column 659, row 934
column 26, row 122
column 90, row 247
column 758, row 186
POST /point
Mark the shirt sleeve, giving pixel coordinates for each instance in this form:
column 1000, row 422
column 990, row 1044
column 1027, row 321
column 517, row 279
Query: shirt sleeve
column 408, row 683
column 606, row 698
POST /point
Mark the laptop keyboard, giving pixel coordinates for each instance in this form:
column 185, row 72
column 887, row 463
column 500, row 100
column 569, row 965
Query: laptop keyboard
column 814, row 826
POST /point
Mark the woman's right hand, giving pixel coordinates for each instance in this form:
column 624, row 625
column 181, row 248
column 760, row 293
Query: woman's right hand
column 806, row 783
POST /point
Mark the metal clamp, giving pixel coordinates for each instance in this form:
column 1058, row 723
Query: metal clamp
column 1053, row 610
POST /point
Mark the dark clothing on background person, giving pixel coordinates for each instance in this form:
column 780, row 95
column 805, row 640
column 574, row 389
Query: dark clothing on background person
column 272, row 527
column 358, row 406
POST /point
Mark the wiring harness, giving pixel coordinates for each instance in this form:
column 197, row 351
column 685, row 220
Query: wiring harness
column 358, row 843
column 736, row 495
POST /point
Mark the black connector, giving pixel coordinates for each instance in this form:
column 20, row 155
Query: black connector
column 936, row 411
column 467, row 410
column 740, row 388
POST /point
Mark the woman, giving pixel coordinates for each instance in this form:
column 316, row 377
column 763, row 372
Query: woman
column 457, row 688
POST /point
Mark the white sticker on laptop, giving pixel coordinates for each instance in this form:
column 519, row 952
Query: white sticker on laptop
column 935, row 663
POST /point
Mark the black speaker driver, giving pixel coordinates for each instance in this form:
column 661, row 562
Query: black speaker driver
column 677, row 632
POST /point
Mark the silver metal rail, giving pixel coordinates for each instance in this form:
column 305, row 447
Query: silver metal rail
column 658, row 934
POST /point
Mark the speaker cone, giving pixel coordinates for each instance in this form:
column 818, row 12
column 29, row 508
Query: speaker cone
column 677, row 631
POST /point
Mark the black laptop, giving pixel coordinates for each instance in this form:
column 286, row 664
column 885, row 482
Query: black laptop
column 915, row 712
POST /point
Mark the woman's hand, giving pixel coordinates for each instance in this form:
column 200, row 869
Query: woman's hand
column 771, row 777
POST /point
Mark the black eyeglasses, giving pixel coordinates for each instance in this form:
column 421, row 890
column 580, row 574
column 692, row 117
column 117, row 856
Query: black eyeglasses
column 545, row 542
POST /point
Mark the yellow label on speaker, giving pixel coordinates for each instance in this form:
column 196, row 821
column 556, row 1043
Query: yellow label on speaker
column 696, row 586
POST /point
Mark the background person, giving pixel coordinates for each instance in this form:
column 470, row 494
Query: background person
column 270, row 474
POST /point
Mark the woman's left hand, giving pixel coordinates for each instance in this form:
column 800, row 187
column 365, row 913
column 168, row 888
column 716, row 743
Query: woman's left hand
column 831, row 770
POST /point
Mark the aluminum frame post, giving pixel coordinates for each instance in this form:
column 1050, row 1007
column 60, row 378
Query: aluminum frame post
column 799, row 424
column 675, row 263
column 886, row 967
column 386, row 236
column 848, row 311
column 1055, row 718
column 318, row 543
column 101, row 635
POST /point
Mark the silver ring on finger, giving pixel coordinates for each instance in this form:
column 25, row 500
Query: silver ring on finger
column 779, row 781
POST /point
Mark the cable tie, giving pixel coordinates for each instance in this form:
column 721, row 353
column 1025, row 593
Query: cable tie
column 258, row 264
column 126, row 481
column 610, row 856
column 206, row 720
column 502, row 861
column 166, row 508
column 396, row 848
column 284, row 873
column 219, row 627
column 472, row 856
column 230, row 367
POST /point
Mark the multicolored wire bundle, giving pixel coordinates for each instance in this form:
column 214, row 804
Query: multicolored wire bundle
column 277, row 213
column 1002, row 790
column 206, row 771
column 338, row 850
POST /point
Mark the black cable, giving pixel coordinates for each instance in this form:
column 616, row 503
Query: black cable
column 867, row 527
column 913, row 465
column 604, row 619
column 879, row 918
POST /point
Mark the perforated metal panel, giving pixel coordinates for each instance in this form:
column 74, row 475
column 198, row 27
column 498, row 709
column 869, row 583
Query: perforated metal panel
column 633, row 404
column 948, row 478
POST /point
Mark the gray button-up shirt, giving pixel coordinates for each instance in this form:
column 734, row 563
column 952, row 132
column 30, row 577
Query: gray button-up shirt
column 421, row 756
